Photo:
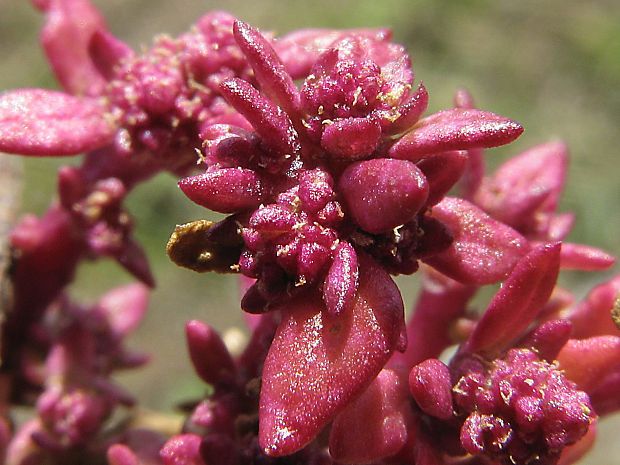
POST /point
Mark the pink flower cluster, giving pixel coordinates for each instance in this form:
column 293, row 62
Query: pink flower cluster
column 331, row 187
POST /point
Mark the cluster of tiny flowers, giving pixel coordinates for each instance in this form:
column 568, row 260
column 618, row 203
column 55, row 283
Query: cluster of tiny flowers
column 160, row 99
column 330, row 188
column 521, row 409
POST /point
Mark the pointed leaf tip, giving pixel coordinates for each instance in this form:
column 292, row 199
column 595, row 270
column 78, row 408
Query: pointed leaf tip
column 456, row 129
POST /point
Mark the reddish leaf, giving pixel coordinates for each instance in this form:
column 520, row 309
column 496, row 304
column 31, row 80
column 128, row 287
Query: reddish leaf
column 45, row 122
column 351, row 138
column 269, row 120
column 431, row 388
column 68, row 29
column 456, row 129
column 274, row 81
column 316, row 364
column 341, row 281
column 518, row 301
column 484, row 250
column 587, row 361
column 226, row 190
column 209, row 355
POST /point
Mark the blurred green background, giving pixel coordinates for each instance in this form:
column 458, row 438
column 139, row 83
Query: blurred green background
column 554, row 66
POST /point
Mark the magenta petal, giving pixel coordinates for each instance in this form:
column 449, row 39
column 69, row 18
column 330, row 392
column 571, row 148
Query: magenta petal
column 209, row 355
column 375, row 424
column 269, row 71
column 225, row 190
column 316, row 364
column 269, row 120
column 518, row 301
column 341, row 281
column 431, row 388
column 442, row 171
column 455, row 129
column 382, row 193
column 484, row 250
column 65, row 37
column 351, row 138
column 45, row 122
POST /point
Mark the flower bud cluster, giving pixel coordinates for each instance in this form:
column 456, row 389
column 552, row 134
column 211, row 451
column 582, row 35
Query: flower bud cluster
column 519, row 409
column 160, row 98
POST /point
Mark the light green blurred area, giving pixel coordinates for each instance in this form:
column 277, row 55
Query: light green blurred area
column 554, row 66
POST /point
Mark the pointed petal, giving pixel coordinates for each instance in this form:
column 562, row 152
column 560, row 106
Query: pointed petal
column 45, row 122
column 182, row 449
column 316, row 364
column 269, row 120
column 604, row 396
column 455, row 129
column 69, row 26
column 474, row 174
column 341, row 281
column 587, row 361
column 463, row 99
column 120, row 454
column 226, row 190
column 518, row 301
column 209, row 355
column 269, row 71
column 382, row 411
column 382, row 193
column 484, row 250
